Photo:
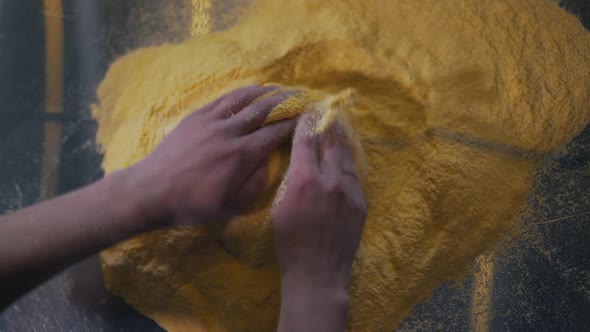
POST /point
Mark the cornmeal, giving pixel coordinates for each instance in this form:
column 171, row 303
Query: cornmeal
column 453, row 105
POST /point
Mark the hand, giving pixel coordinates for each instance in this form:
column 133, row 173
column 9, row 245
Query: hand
column 318, row 222
column 214, row 161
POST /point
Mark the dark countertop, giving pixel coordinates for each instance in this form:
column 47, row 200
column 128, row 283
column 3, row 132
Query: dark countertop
column 540, row 285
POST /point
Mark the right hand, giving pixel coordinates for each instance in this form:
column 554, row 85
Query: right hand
column 318, row 222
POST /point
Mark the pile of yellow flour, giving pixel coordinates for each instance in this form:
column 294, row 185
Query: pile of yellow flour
column 456, row 104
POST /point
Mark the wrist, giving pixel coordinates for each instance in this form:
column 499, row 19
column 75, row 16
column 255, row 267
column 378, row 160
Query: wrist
column 332, row 295
column 134, row 198
column 313, row 304
column 333, row 285
column 317, row 272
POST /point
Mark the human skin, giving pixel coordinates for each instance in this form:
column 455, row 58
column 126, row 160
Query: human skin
column 209, row 167
column 318, row 225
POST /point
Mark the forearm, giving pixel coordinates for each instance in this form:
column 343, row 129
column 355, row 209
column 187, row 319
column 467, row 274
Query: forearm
column 312, row 306
column 37, row 242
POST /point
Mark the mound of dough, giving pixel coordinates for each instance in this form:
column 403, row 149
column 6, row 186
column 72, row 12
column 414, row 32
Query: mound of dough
column 457, row 103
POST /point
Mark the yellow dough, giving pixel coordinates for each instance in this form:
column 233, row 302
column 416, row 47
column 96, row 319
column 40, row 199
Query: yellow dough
column 456, row 103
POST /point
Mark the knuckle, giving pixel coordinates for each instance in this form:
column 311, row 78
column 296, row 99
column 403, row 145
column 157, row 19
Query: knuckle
column 309, row 181
column 230, row 109
column 217, row 128
column 233, row 152
column 335, row 189
column 305, row 181
column 264, row 141
column 229, row 106
column 241, row 100
column 304, row 140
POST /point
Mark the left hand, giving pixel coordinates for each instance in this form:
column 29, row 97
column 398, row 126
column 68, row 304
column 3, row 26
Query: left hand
column 215, row 160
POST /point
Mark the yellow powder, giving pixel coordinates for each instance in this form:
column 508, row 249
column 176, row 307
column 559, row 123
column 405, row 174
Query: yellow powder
column 456, row 103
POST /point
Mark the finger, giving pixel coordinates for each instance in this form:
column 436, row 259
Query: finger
column 330, row 154
column 305, row 152
column 211, row 106
column 348, row 156
column 255, row 186
column 253, row 116
column 337, row 154
column 203, row 110
column 266, row 140
column 235, row 101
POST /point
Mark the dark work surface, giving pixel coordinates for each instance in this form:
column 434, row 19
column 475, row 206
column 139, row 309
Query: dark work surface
column 76, row 300
column 540, row 285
